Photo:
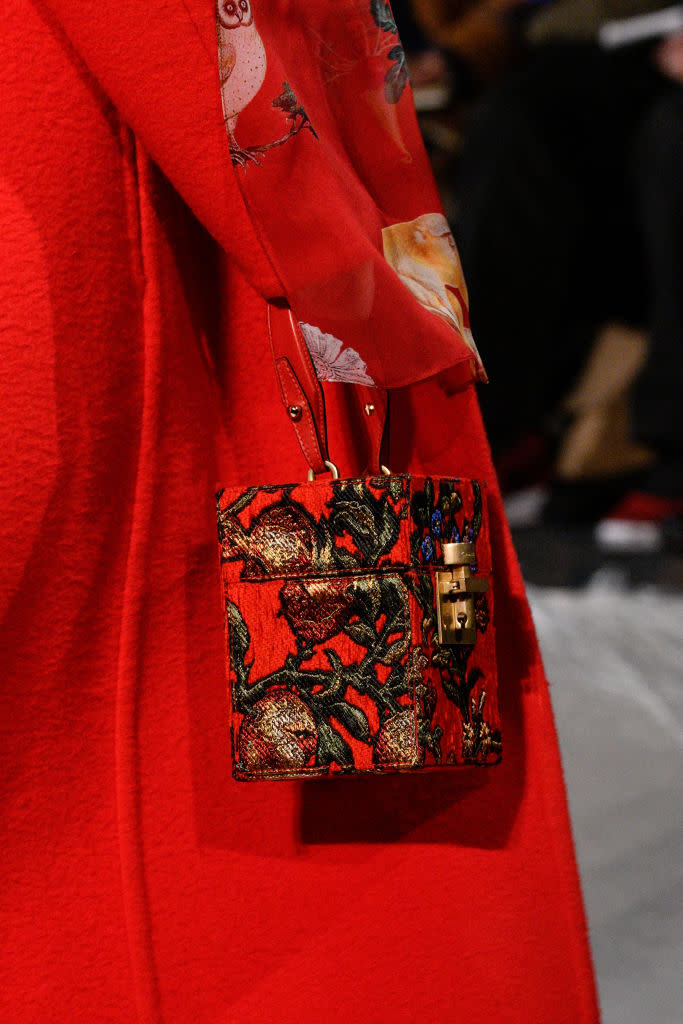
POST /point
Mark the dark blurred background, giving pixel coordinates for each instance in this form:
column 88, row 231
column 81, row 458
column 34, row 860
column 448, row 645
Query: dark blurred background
column 555, row 129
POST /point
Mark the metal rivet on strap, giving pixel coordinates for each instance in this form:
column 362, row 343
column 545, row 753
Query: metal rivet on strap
column 369, row 409
column 328, row 465
column 295, row 412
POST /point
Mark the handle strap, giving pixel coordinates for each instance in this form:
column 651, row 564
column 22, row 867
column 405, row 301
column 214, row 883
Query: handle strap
column 300, row 390
column 375, row 405
column 303, row 397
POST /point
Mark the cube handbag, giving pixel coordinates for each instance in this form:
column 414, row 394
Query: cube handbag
column 358, row 613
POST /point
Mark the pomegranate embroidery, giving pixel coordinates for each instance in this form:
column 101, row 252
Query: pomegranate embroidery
column 279, row 732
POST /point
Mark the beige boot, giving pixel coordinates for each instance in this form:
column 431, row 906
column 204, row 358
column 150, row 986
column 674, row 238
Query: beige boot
column 599, row 442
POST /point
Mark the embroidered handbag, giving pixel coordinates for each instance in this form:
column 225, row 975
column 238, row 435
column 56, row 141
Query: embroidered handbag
column 358, row 612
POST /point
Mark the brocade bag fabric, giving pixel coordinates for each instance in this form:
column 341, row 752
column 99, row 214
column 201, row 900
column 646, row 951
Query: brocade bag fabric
column 334, row 662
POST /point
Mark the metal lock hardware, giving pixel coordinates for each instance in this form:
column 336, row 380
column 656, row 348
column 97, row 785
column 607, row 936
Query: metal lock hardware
column 455, row 590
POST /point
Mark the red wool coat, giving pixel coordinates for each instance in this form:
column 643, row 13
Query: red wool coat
column 140, row 882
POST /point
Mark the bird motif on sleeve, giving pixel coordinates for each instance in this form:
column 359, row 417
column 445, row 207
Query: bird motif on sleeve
column 292, row 109
column 242, row 65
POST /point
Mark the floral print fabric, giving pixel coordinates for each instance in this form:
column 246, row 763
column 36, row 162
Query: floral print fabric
column 325, row 146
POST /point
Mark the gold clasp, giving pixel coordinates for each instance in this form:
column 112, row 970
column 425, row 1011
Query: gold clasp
column 455, row 590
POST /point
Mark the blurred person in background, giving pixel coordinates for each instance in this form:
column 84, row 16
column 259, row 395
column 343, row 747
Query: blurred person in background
column 570, row 227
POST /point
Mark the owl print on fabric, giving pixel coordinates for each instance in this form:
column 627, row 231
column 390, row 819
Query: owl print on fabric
column 242, row 65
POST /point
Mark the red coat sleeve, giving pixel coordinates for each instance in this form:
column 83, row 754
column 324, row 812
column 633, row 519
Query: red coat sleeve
column 158, row 64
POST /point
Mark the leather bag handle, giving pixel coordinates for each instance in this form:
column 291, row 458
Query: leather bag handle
column 303, row 397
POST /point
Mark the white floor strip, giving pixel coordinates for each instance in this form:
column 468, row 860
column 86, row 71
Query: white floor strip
column 615, row 661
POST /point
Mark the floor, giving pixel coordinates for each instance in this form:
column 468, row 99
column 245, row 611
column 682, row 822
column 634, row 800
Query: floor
column 611, row 632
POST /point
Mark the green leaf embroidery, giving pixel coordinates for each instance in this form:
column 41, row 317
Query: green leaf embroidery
column 361, row 634
column 353, row 719
column 396, row 77
column 332, row 747
column 381, row 12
